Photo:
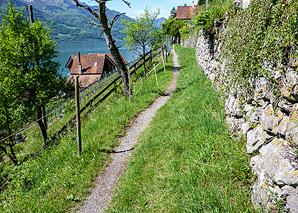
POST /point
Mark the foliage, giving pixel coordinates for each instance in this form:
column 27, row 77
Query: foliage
column 58, row 179
column 211, row 18
column 201, row 2
column 186, row 160
column 173, row 12
column 141, row 32
column 171, row 27
column 28, row 71
column 263, row 35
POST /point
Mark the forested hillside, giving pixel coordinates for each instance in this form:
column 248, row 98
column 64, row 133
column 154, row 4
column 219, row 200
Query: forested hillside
column 66, row 19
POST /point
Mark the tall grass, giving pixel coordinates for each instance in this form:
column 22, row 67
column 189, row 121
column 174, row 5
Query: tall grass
column 187, row 160
column 58, row 179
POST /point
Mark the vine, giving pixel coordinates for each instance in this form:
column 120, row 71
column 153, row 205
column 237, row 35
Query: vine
column 260, row 38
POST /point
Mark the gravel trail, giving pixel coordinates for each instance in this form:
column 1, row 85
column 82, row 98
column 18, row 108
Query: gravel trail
column 100, row 196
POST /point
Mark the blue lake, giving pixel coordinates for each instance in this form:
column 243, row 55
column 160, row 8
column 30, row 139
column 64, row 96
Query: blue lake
column 68, row 49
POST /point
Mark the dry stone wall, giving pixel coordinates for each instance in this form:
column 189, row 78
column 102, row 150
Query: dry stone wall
column 268, row 123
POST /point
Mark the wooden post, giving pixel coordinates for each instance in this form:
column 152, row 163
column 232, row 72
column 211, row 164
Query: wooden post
column 129, row 84
column 31, row 14
column 80, row 65
column 162, row 50
column 115, row 86
column 77, row 90
column 91, row 104
column 167, row 53
column 44, row 117
column 163, row 60
column 155, row 75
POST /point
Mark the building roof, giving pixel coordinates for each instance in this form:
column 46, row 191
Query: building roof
column 92, row 66
column 186, row 12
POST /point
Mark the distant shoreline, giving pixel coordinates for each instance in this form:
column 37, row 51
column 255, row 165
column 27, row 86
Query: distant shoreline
column 88, row 41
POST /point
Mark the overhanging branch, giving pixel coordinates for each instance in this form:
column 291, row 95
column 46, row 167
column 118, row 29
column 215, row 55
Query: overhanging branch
column 89, row 22
column 127, row 3
column 115, row 19
column 78, row 4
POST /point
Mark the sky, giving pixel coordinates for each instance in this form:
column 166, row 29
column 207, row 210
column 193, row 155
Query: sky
column 138, row 6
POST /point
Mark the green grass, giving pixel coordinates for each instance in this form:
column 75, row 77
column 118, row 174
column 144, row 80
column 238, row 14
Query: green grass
column 34, row 142
column 58, row 179
column 187, row 160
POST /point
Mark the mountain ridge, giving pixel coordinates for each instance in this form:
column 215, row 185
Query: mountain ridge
column 67, row 19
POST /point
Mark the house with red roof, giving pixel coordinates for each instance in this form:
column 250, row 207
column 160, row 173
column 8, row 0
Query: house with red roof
column 187, row 12
column 94, row 67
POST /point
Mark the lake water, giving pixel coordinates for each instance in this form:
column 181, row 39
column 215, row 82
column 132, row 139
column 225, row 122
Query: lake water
column 68, row 49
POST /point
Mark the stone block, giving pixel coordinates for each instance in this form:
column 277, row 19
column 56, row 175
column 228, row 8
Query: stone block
column 232, row 106
column 268, row 121
column 254, row 116
column 244, row 128
column 292, row 127
column 234, row 124
column 285, row 106
column 282, row 127
column 292, row 201
column 279, row 162
column 291, row 78
column 263, row 93
column 256, row 138
column 245, row 4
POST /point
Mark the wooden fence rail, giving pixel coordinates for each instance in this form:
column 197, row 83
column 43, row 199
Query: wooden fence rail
column 133, row 69
column 59, row 110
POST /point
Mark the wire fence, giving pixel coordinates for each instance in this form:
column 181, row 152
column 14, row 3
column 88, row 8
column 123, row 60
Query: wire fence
column 101, row 90
column 58, row 110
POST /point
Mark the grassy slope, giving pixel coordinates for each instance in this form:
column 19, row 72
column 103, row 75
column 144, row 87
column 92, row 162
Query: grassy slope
column 59, row 178
column 187, row 161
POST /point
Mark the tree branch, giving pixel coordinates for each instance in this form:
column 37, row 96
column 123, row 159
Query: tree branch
column 115, row 19
column 78, row 4
column 127, row 3
column 89, row 22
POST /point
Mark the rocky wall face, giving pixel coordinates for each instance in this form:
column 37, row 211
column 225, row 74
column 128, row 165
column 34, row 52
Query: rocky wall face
column 269, row 124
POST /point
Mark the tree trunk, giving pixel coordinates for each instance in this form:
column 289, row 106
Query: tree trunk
column 144, row 61
column 42, row 126
column 103, row 20
column 112, row 47
column 44, row 120
column 11, row 157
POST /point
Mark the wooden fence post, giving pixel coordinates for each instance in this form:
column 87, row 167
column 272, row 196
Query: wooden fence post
column 167, row 53
column 129, row 86
column 163, row 60
column 77, row 91
column 115, row 86
column 155, row 74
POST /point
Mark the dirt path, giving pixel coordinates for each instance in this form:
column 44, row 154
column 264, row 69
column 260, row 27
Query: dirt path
column 100, row 196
